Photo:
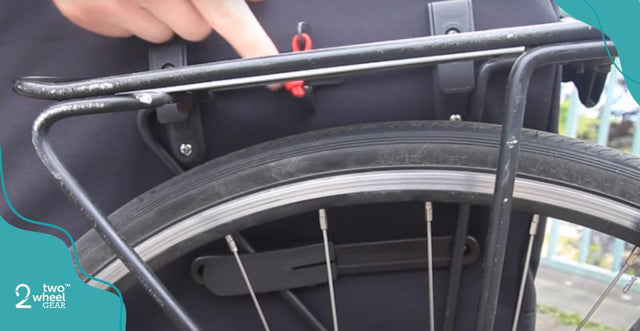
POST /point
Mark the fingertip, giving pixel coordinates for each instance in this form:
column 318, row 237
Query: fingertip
column 156, row 37
column 196, row 36
column 181, row 17
column 275, row 87
column 235, row 22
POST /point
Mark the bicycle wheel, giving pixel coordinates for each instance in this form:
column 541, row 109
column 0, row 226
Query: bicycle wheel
column 386, row 162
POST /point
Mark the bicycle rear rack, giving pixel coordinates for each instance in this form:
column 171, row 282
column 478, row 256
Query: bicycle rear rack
column 536, row 46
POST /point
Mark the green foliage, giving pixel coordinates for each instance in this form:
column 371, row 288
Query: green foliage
column 587, row 127
column 572, row 319
column 564, row 113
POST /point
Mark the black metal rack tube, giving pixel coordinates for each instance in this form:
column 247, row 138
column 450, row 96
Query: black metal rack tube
column 455, row 275
column 80, row 198
column 528, row 36
column 515, row 101
column 479, row 94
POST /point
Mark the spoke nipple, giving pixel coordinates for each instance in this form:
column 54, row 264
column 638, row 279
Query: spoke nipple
column 628, row 286
column 534, row 224
column 633, row 256
column 323, row 219
column 428, row 206
column 232, row 243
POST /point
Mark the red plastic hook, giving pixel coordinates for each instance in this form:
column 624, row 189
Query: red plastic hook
column 296, row 87
column 295, row 42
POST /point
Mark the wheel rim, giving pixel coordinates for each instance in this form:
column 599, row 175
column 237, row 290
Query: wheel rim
column 613, row 212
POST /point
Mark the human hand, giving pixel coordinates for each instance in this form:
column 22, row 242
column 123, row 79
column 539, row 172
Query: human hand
column 157, row 20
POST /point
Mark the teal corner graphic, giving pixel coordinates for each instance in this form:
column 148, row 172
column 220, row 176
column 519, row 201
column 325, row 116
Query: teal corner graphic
column 615, row 19
column 39, row 288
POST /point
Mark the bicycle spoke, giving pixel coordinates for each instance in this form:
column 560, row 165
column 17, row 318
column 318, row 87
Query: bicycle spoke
column 627, row 263
column 163, row 155
column 457, row 257
column 323, row 226
column 289, row 296
column 429, row 218
column 533, row 230
column 234, row 249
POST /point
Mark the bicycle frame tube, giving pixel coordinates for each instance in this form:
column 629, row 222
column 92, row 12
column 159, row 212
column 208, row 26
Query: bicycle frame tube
column 143, row 90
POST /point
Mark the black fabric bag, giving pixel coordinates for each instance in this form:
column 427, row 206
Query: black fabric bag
column 109, row 158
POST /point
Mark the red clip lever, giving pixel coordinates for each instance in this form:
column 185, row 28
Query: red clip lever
column 295, row 42
column 296, row 87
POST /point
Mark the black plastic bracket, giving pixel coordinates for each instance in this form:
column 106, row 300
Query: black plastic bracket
column 269, row 271
column 305, row 266
column 451, row 17
column 452, row 81
column 589, row 78
column 181, row 122
column 399, row 255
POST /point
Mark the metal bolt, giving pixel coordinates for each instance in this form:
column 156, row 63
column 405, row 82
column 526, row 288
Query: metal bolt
column 186, row 149
column 144, row 98
column 455, row 118
column 452, row 31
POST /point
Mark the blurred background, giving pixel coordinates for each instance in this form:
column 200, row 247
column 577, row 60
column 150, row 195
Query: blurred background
column 577, row 263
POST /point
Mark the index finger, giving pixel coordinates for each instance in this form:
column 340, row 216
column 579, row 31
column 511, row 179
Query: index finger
column 235, row 22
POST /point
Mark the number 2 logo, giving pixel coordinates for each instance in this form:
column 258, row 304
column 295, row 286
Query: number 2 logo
column 21, row 305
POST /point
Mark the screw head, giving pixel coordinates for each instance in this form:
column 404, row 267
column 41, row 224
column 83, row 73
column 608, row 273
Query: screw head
column 186, row 149
column 452, row 31
column 145, row 98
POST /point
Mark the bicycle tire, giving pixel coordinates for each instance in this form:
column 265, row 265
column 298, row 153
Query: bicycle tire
column 442, row 161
